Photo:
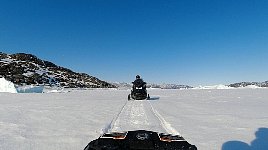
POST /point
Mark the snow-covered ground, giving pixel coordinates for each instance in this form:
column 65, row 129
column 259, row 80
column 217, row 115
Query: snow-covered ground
column 221, row 119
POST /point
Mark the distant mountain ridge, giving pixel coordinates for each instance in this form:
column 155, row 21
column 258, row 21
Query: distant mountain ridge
column 177, row 86
column 152, row 85
column 21, row 69
column 244, row 84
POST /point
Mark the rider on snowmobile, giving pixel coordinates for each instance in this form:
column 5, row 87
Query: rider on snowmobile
column 139, row 82
column 138, row 91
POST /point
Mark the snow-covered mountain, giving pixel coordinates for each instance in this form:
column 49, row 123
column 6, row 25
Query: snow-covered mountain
column 27, row 69
column 245, row 84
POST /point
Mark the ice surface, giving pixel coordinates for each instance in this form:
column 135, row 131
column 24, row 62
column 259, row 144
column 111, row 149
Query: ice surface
column 210, row 119
column 30, row 89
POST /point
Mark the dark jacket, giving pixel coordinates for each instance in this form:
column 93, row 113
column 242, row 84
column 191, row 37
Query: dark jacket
column 139, row 83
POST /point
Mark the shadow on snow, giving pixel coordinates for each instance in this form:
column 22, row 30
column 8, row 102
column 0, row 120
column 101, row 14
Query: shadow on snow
column 153, row 98
column 260, row 143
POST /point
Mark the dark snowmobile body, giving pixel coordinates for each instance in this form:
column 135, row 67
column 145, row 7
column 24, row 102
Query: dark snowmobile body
column 138, row 94
column 139, row 140
column 138, row 91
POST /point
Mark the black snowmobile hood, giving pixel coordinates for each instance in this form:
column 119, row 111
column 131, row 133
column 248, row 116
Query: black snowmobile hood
column 139, row 139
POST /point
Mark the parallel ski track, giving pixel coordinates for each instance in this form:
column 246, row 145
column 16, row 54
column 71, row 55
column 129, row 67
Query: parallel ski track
column 139, row 115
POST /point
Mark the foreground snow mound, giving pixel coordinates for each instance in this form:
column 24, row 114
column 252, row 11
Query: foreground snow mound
column 7, row 86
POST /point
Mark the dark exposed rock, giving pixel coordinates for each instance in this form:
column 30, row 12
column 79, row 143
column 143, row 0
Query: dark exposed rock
column 49, row 64
column 3, row 55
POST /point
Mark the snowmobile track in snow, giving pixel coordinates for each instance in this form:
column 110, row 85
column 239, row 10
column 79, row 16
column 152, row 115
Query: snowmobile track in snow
column 139, row 115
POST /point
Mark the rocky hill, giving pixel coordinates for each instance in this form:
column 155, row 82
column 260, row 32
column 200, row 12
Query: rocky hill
column 244, row 84
column 27, row 69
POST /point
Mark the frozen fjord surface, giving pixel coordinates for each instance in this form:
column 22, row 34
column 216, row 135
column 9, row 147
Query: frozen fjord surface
column 206, row 118
column 140, row 115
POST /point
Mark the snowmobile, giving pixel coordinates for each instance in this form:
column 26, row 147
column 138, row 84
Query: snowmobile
column 138, row 91
column 139, row 140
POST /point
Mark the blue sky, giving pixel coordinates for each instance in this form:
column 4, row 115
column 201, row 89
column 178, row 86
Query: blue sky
column 170, row 41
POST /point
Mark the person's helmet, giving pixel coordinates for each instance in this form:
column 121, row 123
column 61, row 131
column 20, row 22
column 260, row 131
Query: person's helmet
column 138, row 77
